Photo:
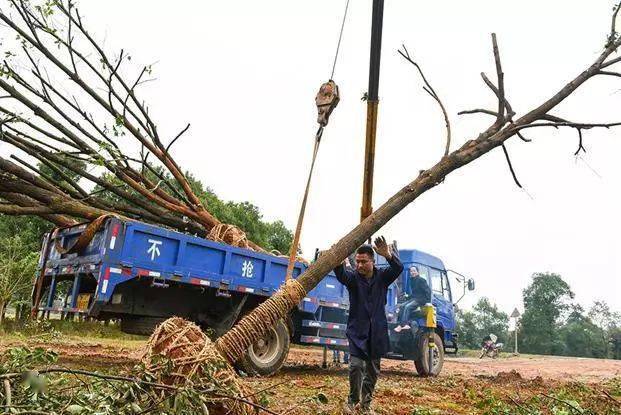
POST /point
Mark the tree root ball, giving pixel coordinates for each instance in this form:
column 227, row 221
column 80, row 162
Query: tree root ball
column 180, row 354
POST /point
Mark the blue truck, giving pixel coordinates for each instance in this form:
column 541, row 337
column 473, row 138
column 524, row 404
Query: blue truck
column 142, row 274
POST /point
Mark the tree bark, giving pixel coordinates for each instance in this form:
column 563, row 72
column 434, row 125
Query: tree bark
column 23, row 201
column 54, row 201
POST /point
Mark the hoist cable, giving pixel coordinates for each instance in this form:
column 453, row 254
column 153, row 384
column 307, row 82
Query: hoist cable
column 338, row 46
column 298, row 230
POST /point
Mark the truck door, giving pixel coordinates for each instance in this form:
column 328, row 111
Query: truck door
column 448, row 297
column 442, row 297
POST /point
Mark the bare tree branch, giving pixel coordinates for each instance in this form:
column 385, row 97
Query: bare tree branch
column 583, row 126
column 21, row 200
column 478, row 111
column 553, row 118
column 609, row 73
column 38, row 129
column 611, row 62
column 502, row 102
column 64, row 188
column 18, row 210
column 501, row 98
column 495, row 114
column 9, row 167
column 580, row 146
column 515, row 179
column 177, row 137
column 521, row 137
column 429, row 89
column 613, row 27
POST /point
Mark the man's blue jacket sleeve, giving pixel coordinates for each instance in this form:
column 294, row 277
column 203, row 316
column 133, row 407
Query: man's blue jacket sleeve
column 390, row 274
column 344, row 275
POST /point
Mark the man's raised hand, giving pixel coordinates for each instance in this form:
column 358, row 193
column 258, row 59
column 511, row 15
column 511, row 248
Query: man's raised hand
column 381, row 247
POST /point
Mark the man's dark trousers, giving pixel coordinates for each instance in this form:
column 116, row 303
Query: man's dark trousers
column 362, row 378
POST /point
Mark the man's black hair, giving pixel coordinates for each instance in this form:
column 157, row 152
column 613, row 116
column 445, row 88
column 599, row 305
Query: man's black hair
column 366, row 249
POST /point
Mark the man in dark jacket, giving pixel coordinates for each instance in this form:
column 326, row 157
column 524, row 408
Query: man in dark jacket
column 367, row 328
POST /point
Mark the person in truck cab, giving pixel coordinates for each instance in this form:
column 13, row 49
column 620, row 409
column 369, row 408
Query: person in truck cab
column 420, row 295
column 367, row 327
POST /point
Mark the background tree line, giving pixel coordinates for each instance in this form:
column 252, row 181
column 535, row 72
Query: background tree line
column 551, row 323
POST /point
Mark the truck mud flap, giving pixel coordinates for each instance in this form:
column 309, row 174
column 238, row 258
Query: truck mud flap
column 324, row 325
column 326, row 341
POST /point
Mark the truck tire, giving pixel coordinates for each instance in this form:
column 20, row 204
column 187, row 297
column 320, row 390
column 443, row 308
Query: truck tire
column 422, row 363
column 141, row 325
column 266, row 356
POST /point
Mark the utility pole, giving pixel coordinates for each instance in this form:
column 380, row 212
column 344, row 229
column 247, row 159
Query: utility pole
column 515, row 316
column 515, row 348
column 372, row 106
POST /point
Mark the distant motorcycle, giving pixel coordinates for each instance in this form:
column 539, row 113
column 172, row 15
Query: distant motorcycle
column 489, row 347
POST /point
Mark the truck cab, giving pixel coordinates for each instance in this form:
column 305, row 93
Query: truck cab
column 406, row 319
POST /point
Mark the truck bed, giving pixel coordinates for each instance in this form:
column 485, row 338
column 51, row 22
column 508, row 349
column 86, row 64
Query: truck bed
column 125, row 250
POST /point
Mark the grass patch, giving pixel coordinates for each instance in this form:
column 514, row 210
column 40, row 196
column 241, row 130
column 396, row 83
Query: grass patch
column 53, row 330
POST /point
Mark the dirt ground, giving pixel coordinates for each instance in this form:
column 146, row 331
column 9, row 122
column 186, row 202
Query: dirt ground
column 508, row 385
column 529, row 367
column 548, row 367
column 310, row 359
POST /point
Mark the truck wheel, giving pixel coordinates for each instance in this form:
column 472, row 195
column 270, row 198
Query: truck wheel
column 267, row 355
column 141, row 325
column 422, row 363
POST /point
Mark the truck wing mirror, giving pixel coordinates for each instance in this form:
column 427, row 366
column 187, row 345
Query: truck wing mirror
column 465, row 282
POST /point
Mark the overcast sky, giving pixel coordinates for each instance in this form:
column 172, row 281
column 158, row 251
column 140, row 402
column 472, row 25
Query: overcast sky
column 245, row 74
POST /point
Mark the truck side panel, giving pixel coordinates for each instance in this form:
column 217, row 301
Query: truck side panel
column 175, row 254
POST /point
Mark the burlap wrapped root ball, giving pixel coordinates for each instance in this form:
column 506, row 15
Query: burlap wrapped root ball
column 180, row 354
column 228, row 234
